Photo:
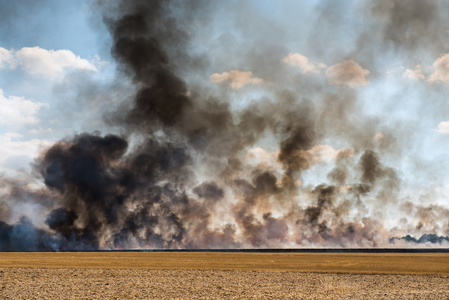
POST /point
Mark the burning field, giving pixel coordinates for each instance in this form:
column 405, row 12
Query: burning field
column 221, row 127
column 128, row 275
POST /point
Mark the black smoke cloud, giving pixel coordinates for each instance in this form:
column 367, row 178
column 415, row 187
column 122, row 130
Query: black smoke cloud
column 177, row 174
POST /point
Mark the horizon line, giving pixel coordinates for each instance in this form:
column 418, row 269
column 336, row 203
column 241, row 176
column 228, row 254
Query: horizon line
column 269, row 250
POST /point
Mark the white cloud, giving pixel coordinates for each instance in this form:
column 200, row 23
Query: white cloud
column 50, row 63
column 347, row 73
column 46, row 63
column 18, row 111
column 443, row 127
column 415, row 74
column 12, row 147
column 299, row 60
column 40, row 130
column 15, row 152
column 261, row 156
column 322, row 153
column 238, row 78
column 440, row 70
column 378, row 136
column 98, row 62
column 6, row 57
column 326, row 153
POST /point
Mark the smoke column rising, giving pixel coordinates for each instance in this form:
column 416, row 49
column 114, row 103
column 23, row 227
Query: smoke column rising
column 189, row 167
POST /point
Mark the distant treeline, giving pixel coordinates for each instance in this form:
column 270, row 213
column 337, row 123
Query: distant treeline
column 426, row 238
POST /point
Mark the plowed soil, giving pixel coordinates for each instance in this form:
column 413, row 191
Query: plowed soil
column 223, row 276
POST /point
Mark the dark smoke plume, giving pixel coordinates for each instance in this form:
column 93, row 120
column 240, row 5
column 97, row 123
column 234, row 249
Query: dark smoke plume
column 177, row 172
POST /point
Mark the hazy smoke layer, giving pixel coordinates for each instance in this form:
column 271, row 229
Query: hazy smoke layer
column 193, row 168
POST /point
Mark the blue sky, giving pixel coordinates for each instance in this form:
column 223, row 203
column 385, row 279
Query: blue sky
column 42, row 82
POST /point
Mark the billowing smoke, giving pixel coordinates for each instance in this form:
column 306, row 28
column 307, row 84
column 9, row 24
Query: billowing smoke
column 188, row 167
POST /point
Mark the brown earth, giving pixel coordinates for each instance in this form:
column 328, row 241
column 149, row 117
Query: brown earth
column 223, row 276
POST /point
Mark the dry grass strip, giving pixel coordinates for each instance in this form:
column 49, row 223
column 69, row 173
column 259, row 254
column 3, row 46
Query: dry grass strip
column 353, row 263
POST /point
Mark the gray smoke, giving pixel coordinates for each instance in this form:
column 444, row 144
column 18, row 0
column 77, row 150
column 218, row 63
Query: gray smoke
column 178, row 173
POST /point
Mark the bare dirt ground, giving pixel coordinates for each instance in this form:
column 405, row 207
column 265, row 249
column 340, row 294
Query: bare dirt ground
column 221, row 276
column 38, row 283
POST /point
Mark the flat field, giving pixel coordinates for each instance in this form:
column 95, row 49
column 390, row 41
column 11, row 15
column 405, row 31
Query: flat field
column 175, row 275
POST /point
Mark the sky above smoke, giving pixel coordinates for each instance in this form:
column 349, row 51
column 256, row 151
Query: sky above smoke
column 223, row 124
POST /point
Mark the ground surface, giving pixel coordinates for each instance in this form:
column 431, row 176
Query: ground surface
column 223, row 276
